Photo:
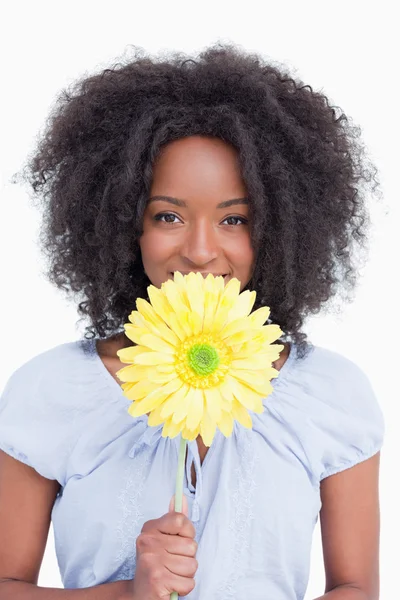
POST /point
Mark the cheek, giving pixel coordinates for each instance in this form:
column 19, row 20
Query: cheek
column 242, row 251
column 153, row 246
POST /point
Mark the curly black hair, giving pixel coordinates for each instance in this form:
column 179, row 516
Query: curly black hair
column 306, row 171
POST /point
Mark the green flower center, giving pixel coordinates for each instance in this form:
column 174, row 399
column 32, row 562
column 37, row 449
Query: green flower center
column 203, row 359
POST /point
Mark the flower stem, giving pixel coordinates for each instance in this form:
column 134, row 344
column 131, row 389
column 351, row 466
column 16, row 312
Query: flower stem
column 179, row 488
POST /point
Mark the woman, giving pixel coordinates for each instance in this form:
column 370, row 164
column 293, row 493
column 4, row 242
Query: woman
column 223, row 165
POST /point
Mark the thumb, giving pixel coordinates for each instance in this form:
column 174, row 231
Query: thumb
column 185, row 506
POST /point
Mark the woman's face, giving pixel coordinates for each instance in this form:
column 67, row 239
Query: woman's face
column 197, row 215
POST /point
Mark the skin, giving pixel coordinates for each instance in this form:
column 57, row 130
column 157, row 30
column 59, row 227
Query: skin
column 203, row 172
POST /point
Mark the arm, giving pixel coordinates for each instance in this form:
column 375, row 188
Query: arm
column 350, row 523
column 26, row 501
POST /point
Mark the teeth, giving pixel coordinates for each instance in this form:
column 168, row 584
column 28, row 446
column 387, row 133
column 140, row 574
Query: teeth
column 205, row 274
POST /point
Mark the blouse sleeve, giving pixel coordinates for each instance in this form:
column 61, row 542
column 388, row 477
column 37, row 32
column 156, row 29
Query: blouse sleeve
column 37, row 421
column 330, row 411
column 351, row 420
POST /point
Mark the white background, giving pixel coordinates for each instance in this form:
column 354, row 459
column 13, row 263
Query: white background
column 347, row 49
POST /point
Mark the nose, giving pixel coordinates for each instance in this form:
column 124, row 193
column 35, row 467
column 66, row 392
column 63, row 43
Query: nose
column 200, row 245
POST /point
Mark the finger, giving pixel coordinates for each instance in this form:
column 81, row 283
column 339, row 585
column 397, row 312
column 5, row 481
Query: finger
column 174, row 523
column 182, row 585
column 176, row 544
column 181, row 565
column 185, row 506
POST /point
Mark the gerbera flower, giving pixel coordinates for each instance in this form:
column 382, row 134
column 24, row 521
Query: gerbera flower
column 201, row 360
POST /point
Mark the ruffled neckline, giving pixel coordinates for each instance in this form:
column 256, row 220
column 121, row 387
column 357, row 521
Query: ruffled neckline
column 89, row 348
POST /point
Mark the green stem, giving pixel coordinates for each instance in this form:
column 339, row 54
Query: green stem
column 179, row 488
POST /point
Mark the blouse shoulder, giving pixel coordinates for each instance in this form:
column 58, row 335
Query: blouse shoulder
column 330, row 404
column 41, row 406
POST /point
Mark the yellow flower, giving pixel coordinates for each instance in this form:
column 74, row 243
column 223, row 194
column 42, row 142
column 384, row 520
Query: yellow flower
column 201, row 360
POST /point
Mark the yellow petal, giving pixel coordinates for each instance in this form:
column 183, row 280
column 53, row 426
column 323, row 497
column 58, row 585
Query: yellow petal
column 180, row 282
column 156, row 397
column 239, row 366
column 133, row 373
column 179, row 278
column 156, row 343
column 246, row 395
column 134, row 333
column 180, row 325
column 195, row 293
column 270, row 352
column 148, row 313
column 182, row 410
column 137, row 320
column 140, row 389
column 155, row 324
column 127, row 386
column 213, row 401
column 251, row 363
column 174, row 297
column 263, row 389
column 226, row 391
column 241, row 415
column 167, row 368
column 134, row 410
column 154, row 358
column 166, row 334
column 189, row 435
column 235, row 348
column 196, row 410
column 242, row 306
column 155, row 417
column 212, row 293
column 240, row 337
column 219, row 283
column 239, row 325
column 271, row 373
column 254, row 379
column 160, row 303
column 207, row 429
column 271, row 333
column 174, row 401
column 159, row 377
column 225, row 424
column 259, row 316
column 227, row 301
column 171, row 429
column 167, row 313
column 128, row 355
column 195, row 322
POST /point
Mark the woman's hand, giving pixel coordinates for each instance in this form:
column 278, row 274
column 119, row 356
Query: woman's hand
column 165, row 557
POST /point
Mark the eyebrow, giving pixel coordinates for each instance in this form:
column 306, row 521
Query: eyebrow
column 183, row 204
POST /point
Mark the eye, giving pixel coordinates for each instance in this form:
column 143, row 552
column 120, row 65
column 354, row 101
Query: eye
column 243, row 221
column 168, row 218
column 160, row 216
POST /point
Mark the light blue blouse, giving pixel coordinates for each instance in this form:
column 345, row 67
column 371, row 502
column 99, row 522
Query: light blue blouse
column 257, row 497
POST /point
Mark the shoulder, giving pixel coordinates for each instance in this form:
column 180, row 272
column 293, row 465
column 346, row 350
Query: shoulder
column 57, row 383
column 40, row 406
column 327, row 369
column 48, row 368
column 329, row 391
column 337, row 408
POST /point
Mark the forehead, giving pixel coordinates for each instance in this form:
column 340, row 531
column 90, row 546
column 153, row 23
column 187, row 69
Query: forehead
column 198, row 163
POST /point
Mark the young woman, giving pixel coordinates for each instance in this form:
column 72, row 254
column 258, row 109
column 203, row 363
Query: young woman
column 222, row 164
